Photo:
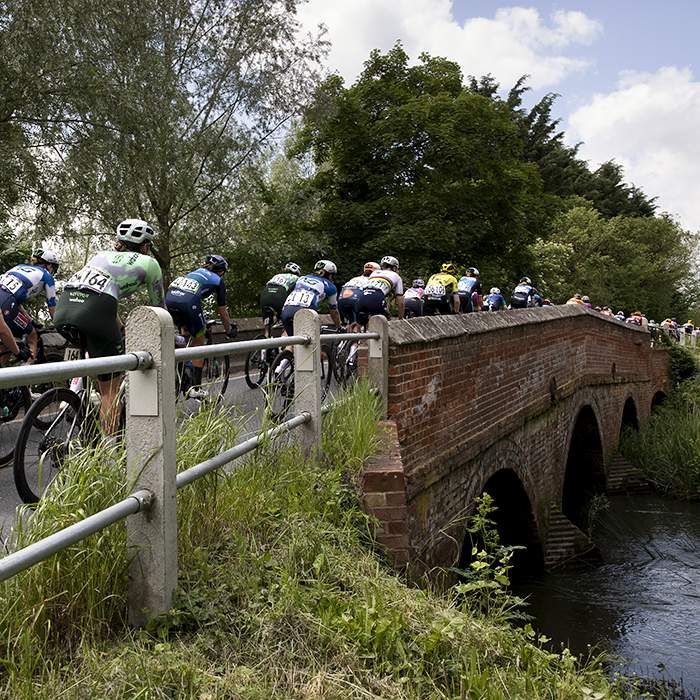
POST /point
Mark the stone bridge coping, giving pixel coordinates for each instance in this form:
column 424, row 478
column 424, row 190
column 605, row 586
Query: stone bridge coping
column 433, row 328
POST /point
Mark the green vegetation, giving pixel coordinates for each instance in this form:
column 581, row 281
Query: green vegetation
column 282, row 595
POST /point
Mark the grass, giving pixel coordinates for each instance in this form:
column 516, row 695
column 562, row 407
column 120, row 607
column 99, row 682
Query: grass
column 282, row 594
column 667, row 450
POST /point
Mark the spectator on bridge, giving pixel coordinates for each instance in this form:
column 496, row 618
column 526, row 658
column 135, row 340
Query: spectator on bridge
column 523, row 294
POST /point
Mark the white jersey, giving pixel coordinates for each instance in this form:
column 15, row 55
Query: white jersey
column 359, row 282
column 386, row 281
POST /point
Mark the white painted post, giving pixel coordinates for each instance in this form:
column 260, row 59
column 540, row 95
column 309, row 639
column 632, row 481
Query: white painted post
column 307, row 382
column 693, row 339
column 151, row 464
column 378, row 367
column 681, row 335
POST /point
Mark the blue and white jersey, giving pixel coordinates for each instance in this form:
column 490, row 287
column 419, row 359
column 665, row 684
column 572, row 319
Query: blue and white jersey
column 202, row 283
column 26, row 281
column 310, row 290
column 465, row 285
column 494, row 302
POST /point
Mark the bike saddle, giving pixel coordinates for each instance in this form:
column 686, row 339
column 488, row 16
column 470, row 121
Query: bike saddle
column 74, row 335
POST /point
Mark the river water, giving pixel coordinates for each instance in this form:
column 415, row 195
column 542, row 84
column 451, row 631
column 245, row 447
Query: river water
column 643, row 602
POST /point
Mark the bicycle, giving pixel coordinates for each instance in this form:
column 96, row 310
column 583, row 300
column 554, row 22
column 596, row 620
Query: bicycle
column 15, row 401
column 54, row 425
column 258, row 362
column 216, row 372
column 345, row 363
column 280, row 389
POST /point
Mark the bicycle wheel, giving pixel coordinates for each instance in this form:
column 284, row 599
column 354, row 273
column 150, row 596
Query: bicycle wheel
column 183, row 380
column 256, row 365
column 350, row 371
column 215, row 375
column 341, row 357
column 36, row 390
column 279, row 389
column 14, row 403
column 52, row 426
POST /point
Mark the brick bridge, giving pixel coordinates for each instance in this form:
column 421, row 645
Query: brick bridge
column 526, row 405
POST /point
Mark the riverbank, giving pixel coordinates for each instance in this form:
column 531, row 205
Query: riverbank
column 282, row 594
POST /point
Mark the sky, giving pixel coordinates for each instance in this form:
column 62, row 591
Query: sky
column 624, row 70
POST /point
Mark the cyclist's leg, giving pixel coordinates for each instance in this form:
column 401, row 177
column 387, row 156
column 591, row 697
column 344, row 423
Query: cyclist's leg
column 7, row 339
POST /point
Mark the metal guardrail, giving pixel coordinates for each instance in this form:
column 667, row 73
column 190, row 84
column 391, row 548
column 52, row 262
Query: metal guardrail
column 153, row 434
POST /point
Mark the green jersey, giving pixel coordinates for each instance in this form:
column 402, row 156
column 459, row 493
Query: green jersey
column 120, row 274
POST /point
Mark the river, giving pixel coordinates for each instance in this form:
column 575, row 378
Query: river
column 643, row 602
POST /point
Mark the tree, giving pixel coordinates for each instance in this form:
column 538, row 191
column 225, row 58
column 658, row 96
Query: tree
column 412, row 163
column 629, row 263
column 175, row 97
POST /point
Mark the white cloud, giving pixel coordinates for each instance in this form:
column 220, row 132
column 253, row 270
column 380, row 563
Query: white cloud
column 649, row 126
column 516, row 41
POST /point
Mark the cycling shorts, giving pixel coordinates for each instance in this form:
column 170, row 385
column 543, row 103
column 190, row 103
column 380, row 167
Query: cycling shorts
column 186, row 310
column 346, row 304
column 271, row 302
column 371, row 302
column 442, row 306
column 415, row 306
column 95, row 315
column 18, row 322
column 466, row 305
column 287, row 317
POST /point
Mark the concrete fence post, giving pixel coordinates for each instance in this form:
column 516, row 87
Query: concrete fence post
column 151, row 465
column 378, row 365
column 307, row 381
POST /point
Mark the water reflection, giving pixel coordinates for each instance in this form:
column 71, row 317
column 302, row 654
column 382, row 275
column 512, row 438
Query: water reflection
column 643, row 603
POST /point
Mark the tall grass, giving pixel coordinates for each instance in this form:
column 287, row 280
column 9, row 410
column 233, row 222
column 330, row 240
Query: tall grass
column 280, row 597
column 667, row 450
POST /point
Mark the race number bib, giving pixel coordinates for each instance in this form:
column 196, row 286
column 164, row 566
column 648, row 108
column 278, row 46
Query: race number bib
column 90, row 277
column 11, row 283
column 300, row 298
column 435, row 290
column 379, row 283
column 186, row 284
column 465, row 287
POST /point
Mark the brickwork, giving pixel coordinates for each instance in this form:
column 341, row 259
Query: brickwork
column 469, row 395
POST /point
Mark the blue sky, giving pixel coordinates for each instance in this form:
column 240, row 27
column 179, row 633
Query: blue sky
column 625, row 70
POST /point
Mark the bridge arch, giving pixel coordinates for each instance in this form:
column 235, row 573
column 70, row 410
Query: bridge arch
column 658, row 398
column 584, row 476
column 629, row 415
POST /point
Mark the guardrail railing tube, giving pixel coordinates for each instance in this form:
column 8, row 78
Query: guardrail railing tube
column 307, row 381
column 151, row 464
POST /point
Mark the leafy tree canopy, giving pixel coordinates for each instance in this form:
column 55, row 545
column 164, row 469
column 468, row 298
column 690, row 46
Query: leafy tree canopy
column 412, row 163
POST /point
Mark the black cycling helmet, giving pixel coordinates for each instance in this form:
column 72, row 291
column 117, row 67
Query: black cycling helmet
column 217, row 263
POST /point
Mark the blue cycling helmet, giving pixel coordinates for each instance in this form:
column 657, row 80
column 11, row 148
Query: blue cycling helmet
column 418, row 283
column 217, row 262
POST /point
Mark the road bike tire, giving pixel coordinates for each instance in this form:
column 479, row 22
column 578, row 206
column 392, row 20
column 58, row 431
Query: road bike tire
column 256, row 367
column 36, row 390
column 43, row 442
column 279, row 389
column 339, row 360
column 215, row 375
column 14, row 404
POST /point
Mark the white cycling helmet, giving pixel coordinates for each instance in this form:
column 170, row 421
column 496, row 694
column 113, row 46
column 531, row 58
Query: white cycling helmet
column 495, row 290
column 46, row 256
column 326, row 265
column 293, row 268
column 391, row 261
column 134, row 231
column 473, row 271
column 371, row 266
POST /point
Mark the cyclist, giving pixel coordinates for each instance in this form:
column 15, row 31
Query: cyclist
column 90, row 302
column 351, row 292
column 275, row 294
column 18, row 284
column 469, row 288
column 442, row 292
column 381, row 283
column 523, row 294
column 184, row 302
column 413, row 298
column 576, row 299
column 309, row 291
column 493, row 301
